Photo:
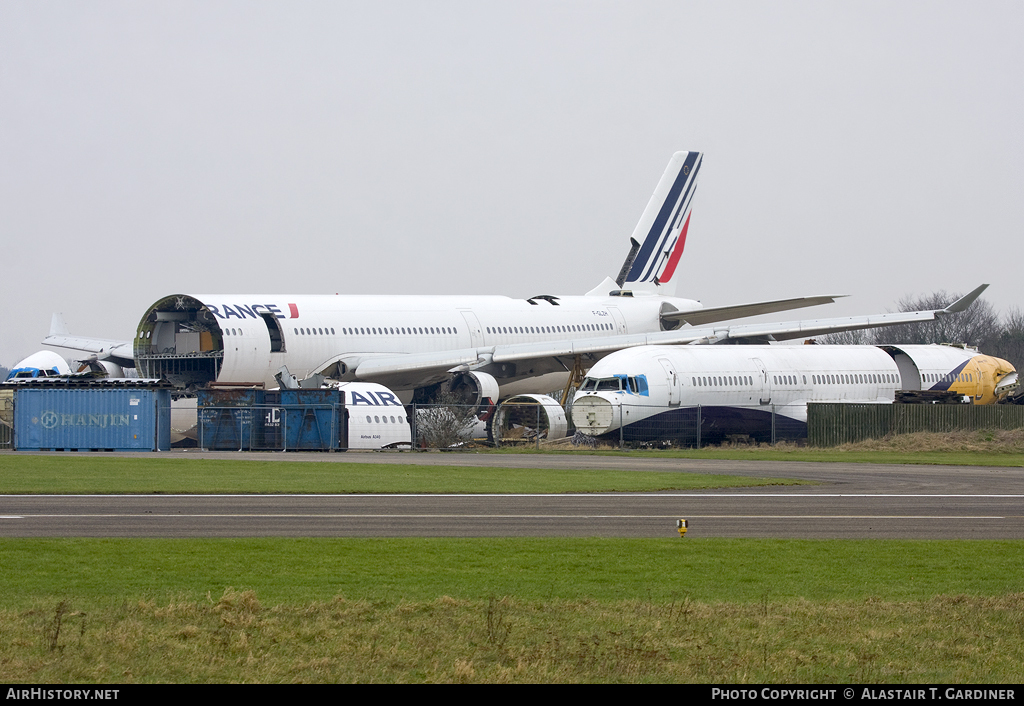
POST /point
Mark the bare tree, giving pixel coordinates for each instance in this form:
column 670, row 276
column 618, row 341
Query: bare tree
column 446, row 422
column 978, row 326
column 1008, row 342
column 860, row 337
column 975, row 326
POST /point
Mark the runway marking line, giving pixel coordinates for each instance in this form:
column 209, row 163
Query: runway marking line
column 513, row 517
column 537, row 495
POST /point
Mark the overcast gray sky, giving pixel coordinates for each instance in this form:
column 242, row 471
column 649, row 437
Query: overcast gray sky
column 146, row 149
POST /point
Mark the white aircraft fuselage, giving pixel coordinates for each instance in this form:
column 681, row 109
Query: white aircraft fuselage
column 248, row 338
column 666, row 392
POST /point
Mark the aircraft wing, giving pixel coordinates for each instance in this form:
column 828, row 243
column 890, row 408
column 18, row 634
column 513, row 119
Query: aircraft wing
column 534, row 359
column 740, row 311
column 120, row 352
column 782, row 331
column 406, row 371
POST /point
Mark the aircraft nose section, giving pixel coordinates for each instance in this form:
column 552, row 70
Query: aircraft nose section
column 594, row 415
column 1004, row 387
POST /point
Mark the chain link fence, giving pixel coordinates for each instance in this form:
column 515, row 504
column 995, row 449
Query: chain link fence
column 679, row 426
column 6, row 418
column 329, row 427
column 272, row 428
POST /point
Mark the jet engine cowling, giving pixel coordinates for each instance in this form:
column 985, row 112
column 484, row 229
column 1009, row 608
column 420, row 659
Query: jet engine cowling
column 475, row 389
column 529, row 418
column 102, row 367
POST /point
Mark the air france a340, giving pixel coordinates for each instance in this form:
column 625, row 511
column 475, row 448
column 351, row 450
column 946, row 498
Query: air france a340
column 483, row 347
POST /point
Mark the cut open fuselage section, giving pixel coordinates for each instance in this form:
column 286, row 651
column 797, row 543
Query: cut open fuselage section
column 180, row 340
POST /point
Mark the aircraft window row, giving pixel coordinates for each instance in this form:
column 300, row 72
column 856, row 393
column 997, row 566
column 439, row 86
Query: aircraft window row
column 857, row 378
column 854, row 379
column 573, row 328
column 438, row 330
column 949, row 377
column 383, row 331
column 377, row 419
column 720, row 381
column 788, row 379
column 314, row 331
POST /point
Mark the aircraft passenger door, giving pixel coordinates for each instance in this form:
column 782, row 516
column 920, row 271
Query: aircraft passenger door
column 673, row 381
column 620, row 322
column 476, row 334
column 765, row 383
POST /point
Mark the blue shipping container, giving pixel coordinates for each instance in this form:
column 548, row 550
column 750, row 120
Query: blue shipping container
column 312, row 419
column 228, row 417
column 250, row 419
column 134, row 419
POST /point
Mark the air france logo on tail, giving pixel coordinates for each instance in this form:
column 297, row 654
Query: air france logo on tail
column 665, row 221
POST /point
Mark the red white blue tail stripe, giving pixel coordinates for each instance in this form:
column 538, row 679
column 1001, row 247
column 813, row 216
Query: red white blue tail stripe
column 663, row 226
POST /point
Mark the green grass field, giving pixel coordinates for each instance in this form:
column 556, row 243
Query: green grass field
column 793, row 453
column 985, row 447
column 952, row 455
column 559, row 610
column 657, row 570
column 151, row 473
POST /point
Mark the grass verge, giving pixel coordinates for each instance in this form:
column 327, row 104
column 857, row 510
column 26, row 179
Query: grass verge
column 234, row 637
column 72, row 474
column 566, row 610
column 955, row 448
column 297, row 570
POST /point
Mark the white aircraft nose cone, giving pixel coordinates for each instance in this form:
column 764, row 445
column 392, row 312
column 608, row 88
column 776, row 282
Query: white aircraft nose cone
column 593, row 415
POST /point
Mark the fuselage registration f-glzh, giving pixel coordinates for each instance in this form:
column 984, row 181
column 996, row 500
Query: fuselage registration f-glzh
column 489, row 346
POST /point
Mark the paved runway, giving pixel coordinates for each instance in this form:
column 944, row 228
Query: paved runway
column 851, row 501
column 747, row 514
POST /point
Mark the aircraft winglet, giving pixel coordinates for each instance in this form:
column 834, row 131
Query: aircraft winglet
column 57, row 325
column 963, row 302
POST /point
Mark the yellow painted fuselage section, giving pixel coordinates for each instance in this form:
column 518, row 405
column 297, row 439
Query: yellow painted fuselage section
column 977, row 378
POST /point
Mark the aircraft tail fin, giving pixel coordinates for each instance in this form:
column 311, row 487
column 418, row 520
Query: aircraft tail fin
column 662, row 229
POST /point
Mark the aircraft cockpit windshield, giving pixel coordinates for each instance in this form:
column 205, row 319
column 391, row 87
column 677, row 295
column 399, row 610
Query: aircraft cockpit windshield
column 601, row 385
column 620, row 383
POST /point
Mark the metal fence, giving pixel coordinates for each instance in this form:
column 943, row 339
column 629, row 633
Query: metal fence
column 6, row 418
column 313, row 427
column 833, row 424
column 516, row 422
column 698, row 425
column 462, row 427
column 272, row 428
column 328, row 427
